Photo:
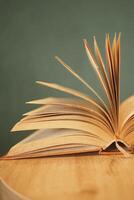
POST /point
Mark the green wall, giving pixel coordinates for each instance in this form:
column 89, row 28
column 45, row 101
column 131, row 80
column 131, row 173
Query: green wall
column 33, row 31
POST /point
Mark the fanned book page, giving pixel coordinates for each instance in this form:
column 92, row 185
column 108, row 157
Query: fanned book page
column 82, row 123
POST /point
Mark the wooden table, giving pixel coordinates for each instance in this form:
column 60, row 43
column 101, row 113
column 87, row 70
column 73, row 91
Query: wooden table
column 71, row 177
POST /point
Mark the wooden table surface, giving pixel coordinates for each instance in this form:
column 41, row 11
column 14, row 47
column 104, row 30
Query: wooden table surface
column 75, row 177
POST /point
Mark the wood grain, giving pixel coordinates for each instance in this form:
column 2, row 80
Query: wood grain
column 71, row 177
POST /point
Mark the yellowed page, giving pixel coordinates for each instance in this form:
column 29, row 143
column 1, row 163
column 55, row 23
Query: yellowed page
column 99, row 75
column 126, row 112
column 113, row 58
column 81, row 80
column 104, row 73
column 69, row 124
column 130, row 138
column 69, row 105
column 62, row 137
column 49, row 133
column 56, row 152
column 76, row 93
column 55, row 111
column 74, row 103
column 65, row 117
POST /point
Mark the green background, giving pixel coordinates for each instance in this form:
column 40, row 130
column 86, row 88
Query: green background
column 33, row 31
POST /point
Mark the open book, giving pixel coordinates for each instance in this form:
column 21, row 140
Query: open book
column 82, row 124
